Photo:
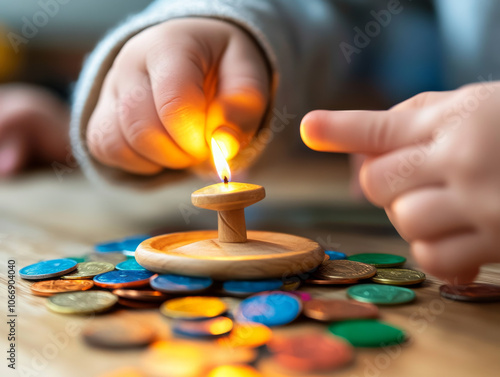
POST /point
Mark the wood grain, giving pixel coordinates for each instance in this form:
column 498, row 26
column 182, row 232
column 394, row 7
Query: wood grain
column 200, row 253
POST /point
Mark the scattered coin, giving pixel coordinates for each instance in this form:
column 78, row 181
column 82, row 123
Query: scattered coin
column 193, row 307
column 398, row 276
column 113, row 258
column 342, row 272
column 379, row 259
column 81, row 302
column 88, row 270
column 473, row 292
column 368, row 332
column 234, row 371
column 311, row 352
column 338, row 310
column 335, row 255
column 123, row 279
column 118, row 332
column 107, row 247
column 51, row 287
column 47, row 269
column 130, row 243
column 245, row 288
column 170, row 283
column 270, row 309
column 181, row 357
column 130, row 265
column 248, row 335
column 141, row 295
column 208, row 328
column 381, row 294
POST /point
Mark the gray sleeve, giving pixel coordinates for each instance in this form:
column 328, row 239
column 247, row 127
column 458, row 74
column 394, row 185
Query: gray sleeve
column 297, row 36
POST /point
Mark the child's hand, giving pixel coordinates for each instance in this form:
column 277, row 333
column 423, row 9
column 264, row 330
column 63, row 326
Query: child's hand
column 174, row 86
column 434, row 166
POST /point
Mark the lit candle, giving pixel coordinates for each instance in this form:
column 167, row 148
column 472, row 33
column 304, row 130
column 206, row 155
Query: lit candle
column 229, row 199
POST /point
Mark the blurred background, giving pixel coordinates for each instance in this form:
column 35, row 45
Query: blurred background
column 431, row 45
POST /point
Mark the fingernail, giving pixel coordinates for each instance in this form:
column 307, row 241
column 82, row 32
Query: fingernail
column 228, row 141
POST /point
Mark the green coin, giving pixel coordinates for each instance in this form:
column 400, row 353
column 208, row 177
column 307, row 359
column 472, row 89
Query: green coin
column 378, row 259
column 381, row 294
column 368, row 332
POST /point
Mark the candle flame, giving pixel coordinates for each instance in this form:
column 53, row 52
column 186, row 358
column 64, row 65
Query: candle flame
column 220, row 162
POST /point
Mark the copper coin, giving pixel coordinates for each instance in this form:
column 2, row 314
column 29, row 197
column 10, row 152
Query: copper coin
column 118, row 333
column 342, row 272
column 474, row 292
column 338, row 310
column 311, row 352
column 141, row 295
column 331, row 281
column 134, row 304
column 51, row 287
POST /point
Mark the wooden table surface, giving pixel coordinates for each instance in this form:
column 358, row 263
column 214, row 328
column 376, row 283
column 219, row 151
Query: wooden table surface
column 44, row 217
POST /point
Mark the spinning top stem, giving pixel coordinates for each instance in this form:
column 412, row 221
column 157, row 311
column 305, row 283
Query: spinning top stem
column 229, row 200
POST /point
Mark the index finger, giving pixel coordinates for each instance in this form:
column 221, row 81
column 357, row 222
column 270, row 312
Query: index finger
column 367, row 132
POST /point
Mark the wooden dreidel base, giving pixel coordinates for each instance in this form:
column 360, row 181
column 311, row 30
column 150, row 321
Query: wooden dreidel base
column 230, row 253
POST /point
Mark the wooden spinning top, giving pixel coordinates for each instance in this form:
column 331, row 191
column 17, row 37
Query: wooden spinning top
column 230, row 253
column 229, row 200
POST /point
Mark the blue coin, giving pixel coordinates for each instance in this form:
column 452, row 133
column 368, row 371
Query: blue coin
column 270, row 309
column 122, row 279
column 130, row 265
column 244, row 287
column 170, row 283
column 108, row 247
column 47, row 269
column 129, row 244
column 335, row 255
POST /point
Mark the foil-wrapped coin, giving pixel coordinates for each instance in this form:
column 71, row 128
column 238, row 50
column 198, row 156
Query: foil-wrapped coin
column 381, row 294
column 473, row 292
column 81, row 302
column 193, row 307
column 47, row 269
column 51, row 287
column 398, row 276
column 87, row 270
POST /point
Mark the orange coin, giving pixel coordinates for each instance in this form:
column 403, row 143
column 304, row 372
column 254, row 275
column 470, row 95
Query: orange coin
column 311, row 352
column 50, row 287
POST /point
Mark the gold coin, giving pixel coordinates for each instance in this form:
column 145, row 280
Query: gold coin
column 398, row 276
column 81, row 302
column 249, row 335
column 87, row 270
column 50, row 287
column 113, row 258
column 344, row 271
column 194, row 307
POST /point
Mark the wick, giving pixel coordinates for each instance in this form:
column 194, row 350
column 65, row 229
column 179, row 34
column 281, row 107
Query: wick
column 225, row 180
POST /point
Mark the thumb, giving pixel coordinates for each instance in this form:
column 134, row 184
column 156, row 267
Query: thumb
column 241, row 97
column 367, row 132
